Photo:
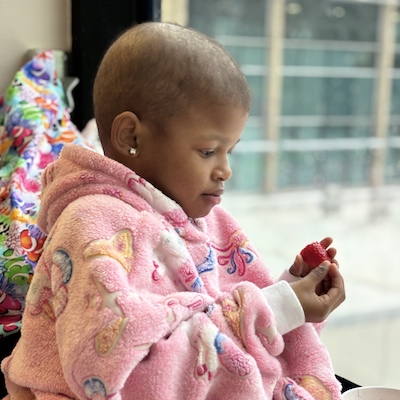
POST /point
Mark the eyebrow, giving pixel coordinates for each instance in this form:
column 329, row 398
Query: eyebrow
column 217, row 138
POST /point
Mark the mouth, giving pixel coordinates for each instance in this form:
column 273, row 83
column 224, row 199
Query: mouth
column 217, row 193
column 214, row 198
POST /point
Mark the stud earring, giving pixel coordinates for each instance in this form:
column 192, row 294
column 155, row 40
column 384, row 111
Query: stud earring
column 132, row 151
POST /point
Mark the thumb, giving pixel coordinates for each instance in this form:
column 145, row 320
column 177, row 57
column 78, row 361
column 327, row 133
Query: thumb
column 318, row 274
column 296, row 268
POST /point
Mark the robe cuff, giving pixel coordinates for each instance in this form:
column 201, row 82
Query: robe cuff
column 285, row 305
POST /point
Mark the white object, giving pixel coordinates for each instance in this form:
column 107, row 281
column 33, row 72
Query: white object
column 372, row 393
column 91, row 135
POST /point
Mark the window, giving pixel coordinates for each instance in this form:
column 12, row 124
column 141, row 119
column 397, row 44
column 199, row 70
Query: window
column 320, row 154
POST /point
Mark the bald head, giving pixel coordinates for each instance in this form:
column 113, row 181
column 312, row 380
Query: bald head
column 159, row 70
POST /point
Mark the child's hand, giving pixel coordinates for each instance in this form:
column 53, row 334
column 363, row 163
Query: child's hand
column 320, row 292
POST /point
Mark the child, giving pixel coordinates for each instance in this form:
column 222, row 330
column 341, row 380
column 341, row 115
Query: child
column 147, row 288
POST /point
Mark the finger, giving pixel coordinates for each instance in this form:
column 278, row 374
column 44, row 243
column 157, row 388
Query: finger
column 334, row 261
column 332, row 252
column 317, row 275
column 336, row 276
column 320, row 288
column 326, row 242
column 336, row 293
column 324, row 286
column 297, row 267
column 327, row 283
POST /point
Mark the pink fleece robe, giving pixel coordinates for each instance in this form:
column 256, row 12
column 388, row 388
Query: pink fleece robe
column 131, row 299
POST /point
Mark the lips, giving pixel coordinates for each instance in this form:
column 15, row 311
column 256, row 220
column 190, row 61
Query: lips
column 217, row 193
column 215, row 197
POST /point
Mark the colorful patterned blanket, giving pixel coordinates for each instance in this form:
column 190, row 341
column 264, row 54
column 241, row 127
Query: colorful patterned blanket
column 34, row 126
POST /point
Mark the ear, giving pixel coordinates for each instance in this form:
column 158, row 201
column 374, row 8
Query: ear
column 124, row 131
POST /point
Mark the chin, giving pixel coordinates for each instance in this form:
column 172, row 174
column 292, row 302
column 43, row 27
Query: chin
column 199, row 214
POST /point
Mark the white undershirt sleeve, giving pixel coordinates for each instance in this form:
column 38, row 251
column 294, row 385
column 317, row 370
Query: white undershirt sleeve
column 285, row 305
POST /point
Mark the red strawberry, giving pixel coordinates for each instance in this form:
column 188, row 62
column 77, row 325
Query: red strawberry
column 314, row 253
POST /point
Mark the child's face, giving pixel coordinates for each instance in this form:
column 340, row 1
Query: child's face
column 189, row 162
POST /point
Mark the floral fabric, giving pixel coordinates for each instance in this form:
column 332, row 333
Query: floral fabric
column 35, row 125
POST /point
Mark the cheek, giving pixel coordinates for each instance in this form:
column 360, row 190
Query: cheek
column 187, row 186
column 192, row 177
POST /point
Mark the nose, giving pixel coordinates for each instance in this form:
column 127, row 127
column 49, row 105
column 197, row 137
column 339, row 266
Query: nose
column 223, row 171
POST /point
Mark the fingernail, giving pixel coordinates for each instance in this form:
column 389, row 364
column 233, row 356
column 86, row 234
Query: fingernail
column 323, row 267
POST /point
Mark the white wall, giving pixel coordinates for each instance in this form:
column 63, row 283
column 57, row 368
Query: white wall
column 30, row 24
column 175, row 11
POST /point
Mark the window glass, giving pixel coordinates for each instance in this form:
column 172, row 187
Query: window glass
column 320, row 153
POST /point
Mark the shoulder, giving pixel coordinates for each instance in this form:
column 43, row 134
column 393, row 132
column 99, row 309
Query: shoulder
column 98, row 216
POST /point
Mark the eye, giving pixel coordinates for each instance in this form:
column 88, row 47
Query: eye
column 207, row 153
column 230, row 151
